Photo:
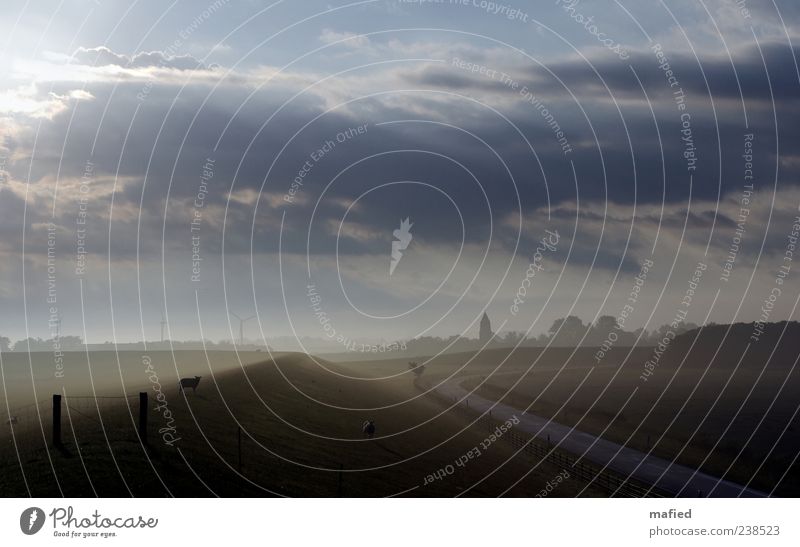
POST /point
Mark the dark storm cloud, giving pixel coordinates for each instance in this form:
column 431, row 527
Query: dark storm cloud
column 699, row 76
column 602, row 78
column 165, row 151
column 717, row 134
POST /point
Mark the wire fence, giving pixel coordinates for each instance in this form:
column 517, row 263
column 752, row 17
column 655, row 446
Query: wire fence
column 250, row 454
column 23, row 431
column 80, row 420
column 24, row 415
column 75, row 423
column 96, row 408
column 99, row 419
column 28, row 430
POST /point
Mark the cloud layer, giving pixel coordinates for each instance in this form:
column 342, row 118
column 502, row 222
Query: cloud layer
column 309, row 165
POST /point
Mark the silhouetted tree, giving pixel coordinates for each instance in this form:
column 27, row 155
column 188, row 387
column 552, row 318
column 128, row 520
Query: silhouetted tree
column 70, row 342
column 598, row 333
column 606, row 323
column 512, row 338
column 34, row 344
column 567, row 331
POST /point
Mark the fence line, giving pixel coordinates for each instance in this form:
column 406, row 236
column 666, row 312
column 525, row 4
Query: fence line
column 38, row 426
column 21, row 414
column 92, row 397
column 85, row 406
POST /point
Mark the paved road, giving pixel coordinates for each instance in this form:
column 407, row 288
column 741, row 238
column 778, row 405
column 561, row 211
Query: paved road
column 678, row 479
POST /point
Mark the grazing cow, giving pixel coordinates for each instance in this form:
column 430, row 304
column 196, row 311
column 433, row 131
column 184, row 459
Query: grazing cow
column 368, row 428
column 190, row 382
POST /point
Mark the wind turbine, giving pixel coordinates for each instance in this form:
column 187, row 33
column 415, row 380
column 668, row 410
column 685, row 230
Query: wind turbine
column 163, row 324
column 241, row 326
column 59, row 320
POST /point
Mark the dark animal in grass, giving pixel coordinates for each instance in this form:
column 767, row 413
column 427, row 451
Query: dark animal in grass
column 190, row 382
column 368, row 428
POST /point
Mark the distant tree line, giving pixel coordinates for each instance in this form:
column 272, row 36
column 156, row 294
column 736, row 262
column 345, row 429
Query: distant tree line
column 568, row 331
column 39, row 344
column 75, row 343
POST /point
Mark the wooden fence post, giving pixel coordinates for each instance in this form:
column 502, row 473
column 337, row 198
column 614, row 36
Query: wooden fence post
column 239, row 445
column 143, row 417
column 56, row 420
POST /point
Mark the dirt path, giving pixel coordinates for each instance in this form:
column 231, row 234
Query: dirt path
column 664, row 474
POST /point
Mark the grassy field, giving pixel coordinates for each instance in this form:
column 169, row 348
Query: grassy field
column 301, row 436
column 32, row 377
column 301, row 419
column 727, row 423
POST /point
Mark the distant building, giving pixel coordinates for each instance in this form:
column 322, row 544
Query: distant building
column 486, row 333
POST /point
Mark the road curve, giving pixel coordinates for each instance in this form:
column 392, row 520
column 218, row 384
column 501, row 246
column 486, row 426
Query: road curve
column 669, row 477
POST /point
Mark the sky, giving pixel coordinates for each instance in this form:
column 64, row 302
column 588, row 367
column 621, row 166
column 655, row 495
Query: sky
column 192, row 160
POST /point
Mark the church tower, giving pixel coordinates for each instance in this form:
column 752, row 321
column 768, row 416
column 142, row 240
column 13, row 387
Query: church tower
column 486, row 333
